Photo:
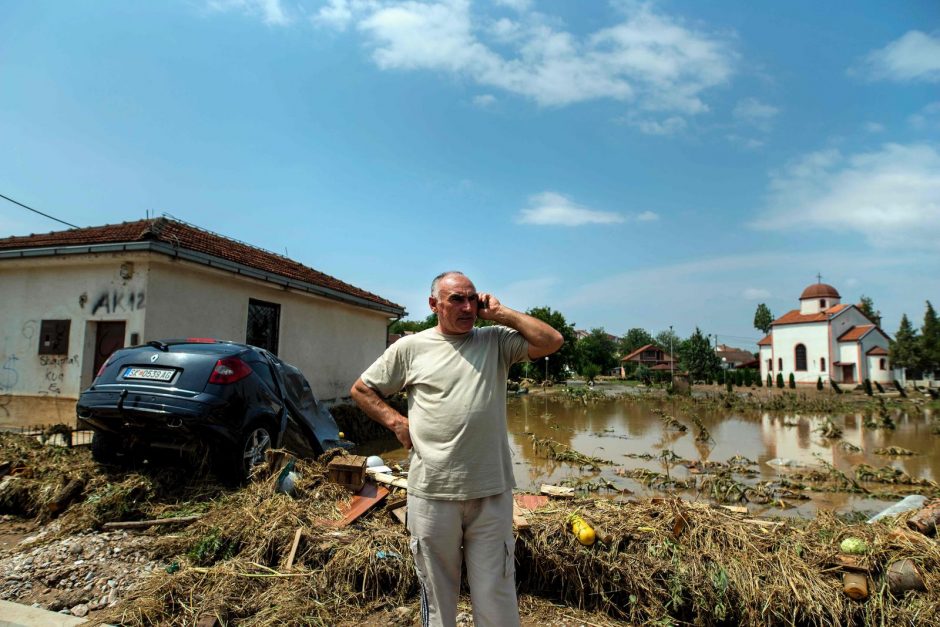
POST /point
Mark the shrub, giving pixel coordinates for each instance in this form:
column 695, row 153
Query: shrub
column 867, row 384
column 835, row 386
column 899, row 388
column 728, row 384
column 780, row 380
column 792, row 382
column 880, row 388
column 721, row 376
column 758, row 380
column 819, row 384
column 770, row 381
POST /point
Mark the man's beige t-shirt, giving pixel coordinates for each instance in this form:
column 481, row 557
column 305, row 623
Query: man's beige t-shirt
column 456, row 388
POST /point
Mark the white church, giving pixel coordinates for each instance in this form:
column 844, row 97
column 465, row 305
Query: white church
column 825, row 338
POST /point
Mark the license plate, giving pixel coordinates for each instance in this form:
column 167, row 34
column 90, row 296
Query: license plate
column 150, row 374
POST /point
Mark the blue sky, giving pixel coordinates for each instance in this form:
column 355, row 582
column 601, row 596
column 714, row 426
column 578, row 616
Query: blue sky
column 626, row 163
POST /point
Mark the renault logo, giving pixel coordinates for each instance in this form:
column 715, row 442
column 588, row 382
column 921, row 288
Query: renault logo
column 153, row 357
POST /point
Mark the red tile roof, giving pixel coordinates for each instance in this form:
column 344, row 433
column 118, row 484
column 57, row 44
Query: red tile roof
column 666, row 357
column 856, row 333
column 795, row 317
column 877, row 350
column 767, row 341
column 189, row 237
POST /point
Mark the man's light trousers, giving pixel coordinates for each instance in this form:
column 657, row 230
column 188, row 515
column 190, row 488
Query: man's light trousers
column 443, row 534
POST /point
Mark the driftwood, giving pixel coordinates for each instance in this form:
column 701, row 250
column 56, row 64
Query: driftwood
column 293, row 548
column 561, row 492
column 926, row 520
column 143, row 524
column 65, row 496
column 397, row 482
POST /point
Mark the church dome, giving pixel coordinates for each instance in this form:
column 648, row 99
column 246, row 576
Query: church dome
column 819, row 290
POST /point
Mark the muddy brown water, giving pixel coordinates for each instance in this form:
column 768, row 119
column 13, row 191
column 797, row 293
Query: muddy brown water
column 613, row 429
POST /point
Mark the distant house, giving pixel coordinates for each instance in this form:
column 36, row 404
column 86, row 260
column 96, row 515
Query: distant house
column 732, row 357
column 651, row 356
column 825, row 338
column 72, row 297
column 580, row 334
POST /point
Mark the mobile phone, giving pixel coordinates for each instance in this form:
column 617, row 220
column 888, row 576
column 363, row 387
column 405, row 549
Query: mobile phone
column 481, row 303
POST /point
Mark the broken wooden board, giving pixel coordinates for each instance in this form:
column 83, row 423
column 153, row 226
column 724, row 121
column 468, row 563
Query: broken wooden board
column 530, row 502
column 293, row 548
column 365, row 499
column 518, row 518
column 557, row 491
column 398, row 510
column 397, row 482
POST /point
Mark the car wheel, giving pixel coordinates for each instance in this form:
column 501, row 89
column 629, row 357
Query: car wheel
column 256, row 440
column 105, row 447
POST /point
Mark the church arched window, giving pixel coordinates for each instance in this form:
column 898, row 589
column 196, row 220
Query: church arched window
column 822, row 364
column 800, row 357
column 780, row 363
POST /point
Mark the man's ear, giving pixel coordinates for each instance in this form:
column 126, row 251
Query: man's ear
column 432, row 302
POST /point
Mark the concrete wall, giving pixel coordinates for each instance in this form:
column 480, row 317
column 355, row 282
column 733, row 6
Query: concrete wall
column 332, row 343
column 814, row 336
column 84, row 290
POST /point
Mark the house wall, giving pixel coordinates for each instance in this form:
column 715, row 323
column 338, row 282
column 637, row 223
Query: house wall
column 813, row 335
column 765, row 353
column 86, row 290
column 331, row 342
column 158, row 298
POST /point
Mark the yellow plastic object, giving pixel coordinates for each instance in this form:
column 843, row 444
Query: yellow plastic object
column 582, row 531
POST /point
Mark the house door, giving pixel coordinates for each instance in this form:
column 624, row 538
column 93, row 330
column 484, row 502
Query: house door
column 109, row 336
column 848, row 374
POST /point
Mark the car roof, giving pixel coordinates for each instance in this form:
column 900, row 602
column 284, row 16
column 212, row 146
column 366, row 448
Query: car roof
column 199, row 345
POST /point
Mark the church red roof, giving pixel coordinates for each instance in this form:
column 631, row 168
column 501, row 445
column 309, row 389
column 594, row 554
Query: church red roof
column 877, row 350
column 767, row 341
column 795, row 317
column 856, row 333
column 819, row 290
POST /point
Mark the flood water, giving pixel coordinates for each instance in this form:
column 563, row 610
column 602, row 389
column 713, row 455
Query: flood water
column 614, row 429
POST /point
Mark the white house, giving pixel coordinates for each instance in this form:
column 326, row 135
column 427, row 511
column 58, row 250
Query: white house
column 69, row 298
column 825, row 338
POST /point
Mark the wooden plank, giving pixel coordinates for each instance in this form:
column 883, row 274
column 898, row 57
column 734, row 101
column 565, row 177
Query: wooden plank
column 365, row 499
column 391, row 480
column 518, row 519
column 737, row 509
column 400, row 514
column 143, row 524
column 557, row 491
column 293, row 548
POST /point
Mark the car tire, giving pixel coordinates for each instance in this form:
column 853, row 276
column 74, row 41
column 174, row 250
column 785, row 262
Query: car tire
column 254, row 442
column 105, row 447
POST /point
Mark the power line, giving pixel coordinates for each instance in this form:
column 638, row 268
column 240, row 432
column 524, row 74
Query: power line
column 45, row 215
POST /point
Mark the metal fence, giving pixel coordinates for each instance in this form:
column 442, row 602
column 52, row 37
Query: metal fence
column 59, row 434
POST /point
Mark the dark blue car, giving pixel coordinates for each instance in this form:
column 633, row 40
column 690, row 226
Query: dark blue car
column 237, row 400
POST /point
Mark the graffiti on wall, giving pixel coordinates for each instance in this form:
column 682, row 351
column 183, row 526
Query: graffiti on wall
column 117, row 300
column 9, row 377
column 54, row 367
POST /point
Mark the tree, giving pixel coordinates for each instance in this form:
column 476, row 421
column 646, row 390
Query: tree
column 780, row 380
column 819, row 384
column 763, row 318
column 413, row 326
column 905, row 349
column 930, row 341
column 565, row 357
column 697, row 357
column 792, row 382
column 720, row 376
column 597, row 348
column 770, row 381
column 668, row 341
column 867, row 307
column 635, row 338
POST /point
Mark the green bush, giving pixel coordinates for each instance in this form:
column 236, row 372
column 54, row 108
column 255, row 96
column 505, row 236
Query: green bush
column 792, row 382
column 780, row 383
column 819, row 384
column 835, row 386
column 770, row 381
column 758, row 380
column 899, row 388
column 728, row 384
column 867, row 385
column 721, row 376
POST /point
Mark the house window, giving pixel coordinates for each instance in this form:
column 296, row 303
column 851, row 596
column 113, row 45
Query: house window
column 779, row 363
column 882, row 363
column 263, row 322
column 822, row 303
column 54, row 337
column 800, row 357
column 822, row 364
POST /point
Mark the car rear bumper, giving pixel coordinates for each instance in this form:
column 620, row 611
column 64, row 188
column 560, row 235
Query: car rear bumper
column 156, row 418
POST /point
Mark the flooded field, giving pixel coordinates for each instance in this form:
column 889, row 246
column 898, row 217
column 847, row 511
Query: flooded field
column 620, row 430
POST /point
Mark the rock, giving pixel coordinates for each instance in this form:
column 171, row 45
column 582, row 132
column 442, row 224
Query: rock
column 80, row 610
column 112, row 596
column 464, row 618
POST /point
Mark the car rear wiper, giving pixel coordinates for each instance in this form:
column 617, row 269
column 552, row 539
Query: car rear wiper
column 158, row 345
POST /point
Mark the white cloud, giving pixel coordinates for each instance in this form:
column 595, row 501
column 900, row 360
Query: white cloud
column 550, row 208
column 649, row 59
column 874, row 127
column 927, row 117
column 484, row 100
column 891, row 196
column 669, row 126
column 755, row 113
column 915, row 56
column 270, row 11
column 517, row 5
column 756, row 293
column 647, row 216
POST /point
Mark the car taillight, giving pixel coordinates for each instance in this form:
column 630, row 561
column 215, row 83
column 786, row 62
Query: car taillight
column 101, row 370
column 229, row 370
